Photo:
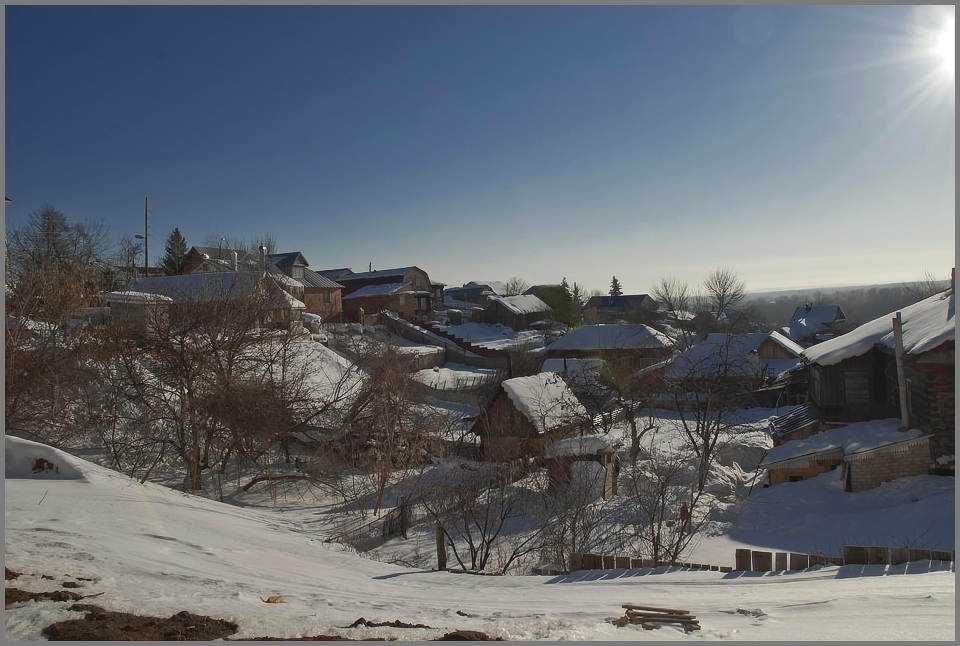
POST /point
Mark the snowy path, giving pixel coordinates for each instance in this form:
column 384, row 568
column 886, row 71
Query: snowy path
column 156, row 551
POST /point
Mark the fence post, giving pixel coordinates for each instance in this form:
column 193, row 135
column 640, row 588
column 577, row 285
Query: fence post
column 441, row 548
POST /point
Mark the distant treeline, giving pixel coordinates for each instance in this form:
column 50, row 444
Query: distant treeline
column 859, row 304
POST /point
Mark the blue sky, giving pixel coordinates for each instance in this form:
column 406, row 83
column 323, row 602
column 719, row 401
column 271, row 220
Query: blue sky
column 799, row 146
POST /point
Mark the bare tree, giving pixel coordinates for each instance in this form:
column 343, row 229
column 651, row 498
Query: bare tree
column 516, row 286
column 926, row 287
column 724, row 289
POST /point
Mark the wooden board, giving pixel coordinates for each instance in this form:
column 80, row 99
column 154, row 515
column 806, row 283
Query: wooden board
column 631, row 606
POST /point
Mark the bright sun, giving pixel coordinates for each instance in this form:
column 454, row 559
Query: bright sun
column 945, row 46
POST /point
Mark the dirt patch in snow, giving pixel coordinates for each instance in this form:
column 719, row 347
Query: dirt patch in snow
column 468, row 636
column 314, row 638
column 16, row 595
column 105, row 625
column 390, row 624
column 10, row 575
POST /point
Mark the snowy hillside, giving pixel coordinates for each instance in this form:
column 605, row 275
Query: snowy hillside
column 152, row 550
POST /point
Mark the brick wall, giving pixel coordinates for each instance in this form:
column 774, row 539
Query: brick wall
column 880, row 467
column 781, row 475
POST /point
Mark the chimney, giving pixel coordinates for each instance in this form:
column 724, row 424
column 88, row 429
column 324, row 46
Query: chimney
column 234, row 260
column 370, row 267
column 263, row 258
column 807, row 306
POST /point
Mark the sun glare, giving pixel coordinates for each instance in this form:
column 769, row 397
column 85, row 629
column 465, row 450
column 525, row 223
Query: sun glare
column 945, row 47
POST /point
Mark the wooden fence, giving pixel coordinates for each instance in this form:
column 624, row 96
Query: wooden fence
column 762, row 561
column 585, row 561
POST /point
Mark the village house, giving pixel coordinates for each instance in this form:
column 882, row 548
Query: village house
column 526, row 415
column 742, row 362
column 476, row 292
column 635, row 308
column 407, row 291
column 281, row 310
column 320, row 295
column 854, row 377
column 632, row 346
column 203, row 260
column 870, row 453
column 517, row 312
column 812, row 324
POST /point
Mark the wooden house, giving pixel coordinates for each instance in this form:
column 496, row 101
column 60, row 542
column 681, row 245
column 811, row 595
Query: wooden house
column 517, row 312
column 405, row 290
column 814, row 323
column 744, row 362
column 526, row 415
column 854, row 377
column 320, row 295
column 629, row 345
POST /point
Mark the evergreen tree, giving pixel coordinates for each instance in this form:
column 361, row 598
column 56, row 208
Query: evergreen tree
column 615, row 288
column 564, row 313
column 577, row 301
column 174, row 254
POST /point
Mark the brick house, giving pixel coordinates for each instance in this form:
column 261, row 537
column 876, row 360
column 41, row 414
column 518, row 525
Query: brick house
column 369, row 301
column 870, row 453
column 320, row 295
column 405, row 290
column 203, row 260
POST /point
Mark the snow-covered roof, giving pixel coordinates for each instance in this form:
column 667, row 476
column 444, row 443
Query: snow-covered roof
column 399, row 272
column 526, row 304
column 495, row 286
column 853, row 438
column 819, row 313
column 926, row 325
column 587, row 445
column 135, row 297
column 376, row 290
column 610, row 337
column 733, row 355
column 213, row 287
column 545, row 400
column 277, row 274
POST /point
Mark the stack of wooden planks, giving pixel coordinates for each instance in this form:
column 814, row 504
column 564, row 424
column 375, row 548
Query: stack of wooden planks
column 651, row 617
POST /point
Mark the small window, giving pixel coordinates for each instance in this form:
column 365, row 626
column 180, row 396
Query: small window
column 298, row 272
column 402, row 300
column 326, row 298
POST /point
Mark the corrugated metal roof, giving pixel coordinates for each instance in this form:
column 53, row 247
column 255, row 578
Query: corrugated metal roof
column 799, row 417
column 287, row 258
column 313, row 279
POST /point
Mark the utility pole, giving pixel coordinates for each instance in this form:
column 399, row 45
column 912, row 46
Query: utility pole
column 146, row 234
column 901, row 373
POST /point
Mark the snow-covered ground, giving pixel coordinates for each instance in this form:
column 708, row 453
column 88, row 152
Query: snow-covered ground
column 154, row 551
column 495, row 336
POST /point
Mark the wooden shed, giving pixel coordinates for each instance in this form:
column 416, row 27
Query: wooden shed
column 526, row 414
column 518, row 312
